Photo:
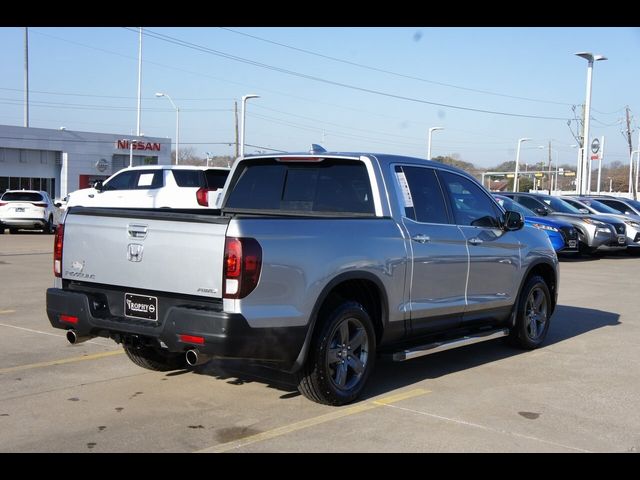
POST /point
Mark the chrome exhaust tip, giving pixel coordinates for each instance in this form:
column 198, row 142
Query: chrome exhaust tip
column 73, row 337
column 195, row 358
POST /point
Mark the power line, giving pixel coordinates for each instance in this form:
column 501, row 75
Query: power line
column 193, row 46
column 112, row 96
column 381, row 70
column 84, row 106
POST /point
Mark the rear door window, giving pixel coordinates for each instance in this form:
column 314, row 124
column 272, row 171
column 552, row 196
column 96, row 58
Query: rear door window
column 328, row 186
column 426, row 202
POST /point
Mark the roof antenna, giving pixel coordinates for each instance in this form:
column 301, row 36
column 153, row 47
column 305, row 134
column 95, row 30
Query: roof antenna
column 315, row 148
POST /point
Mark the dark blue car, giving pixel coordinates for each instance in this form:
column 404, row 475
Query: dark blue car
column 563, row 235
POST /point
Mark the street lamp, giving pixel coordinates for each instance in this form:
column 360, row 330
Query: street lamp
column 515, row 174
column 431, row 130
column 244, row 101
column 177, row 124
column 582, row 186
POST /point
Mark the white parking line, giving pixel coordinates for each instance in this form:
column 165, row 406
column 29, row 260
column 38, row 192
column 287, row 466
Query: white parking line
column 483, row 427
column 103, row 344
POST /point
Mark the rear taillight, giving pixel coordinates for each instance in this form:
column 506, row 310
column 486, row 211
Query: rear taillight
column 39, row 204
column 57, row 251
column 242, row 265
column 202, row 195
column 2, row 204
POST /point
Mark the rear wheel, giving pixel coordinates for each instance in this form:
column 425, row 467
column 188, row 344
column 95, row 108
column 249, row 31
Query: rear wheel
column 341, row 357
column 533, row 315
column 154, row 359
column 13, row 231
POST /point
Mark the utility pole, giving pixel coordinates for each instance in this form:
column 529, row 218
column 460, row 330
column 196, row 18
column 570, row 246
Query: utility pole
column 632, row 187
column 550, row 182
column 236, row 116
column 26, row 76
column 140, row 84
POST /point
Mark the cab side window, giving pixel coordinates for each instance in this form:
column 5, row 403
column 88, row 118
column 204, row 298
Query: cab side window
column 427, row 200
column 122, row 181
column 470, row 204
column 530, row 203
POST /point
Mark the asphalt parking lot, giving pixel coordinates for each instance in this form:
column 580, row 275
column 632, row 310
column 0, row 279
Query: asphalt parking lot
column 579, row 393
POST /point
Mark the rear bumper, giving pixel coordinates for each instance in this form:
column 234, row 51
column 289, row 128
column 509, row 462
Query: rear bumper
column 225, row 335
column 23, row 222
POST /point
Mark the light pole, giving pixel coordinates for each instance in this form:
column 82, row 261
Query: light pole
column 159, row 94
column 583, row 187
column 431, row 130
column 515, row 173
column 244, row 102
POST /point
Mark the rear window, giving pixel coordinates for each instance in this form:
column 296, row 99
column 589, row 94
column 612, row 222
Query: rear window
column 329, row 186
column 188, row 178
column 216, row 178
column 22, row 197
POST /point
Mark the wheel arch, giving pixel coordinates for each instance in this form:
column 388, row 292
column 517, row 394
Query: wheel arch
column 547, row 271
column 360, row 286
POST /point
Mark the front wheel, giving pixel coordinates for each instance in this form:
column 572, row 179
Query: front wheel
column 533, row 315
column 341, row 357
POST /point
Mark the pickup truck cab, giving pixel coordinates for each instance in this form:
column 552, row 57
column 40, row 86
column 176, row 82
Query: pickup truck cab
column 315, row 263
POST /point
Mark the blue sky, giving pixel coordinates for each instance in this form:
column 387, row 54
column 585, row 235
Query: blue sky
column 86, row 79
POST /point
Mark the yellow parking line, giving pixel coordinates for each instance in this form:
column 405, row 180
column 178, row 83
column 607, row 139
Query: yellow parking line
column 62, row 361
column 7, row 311
column 277, row 432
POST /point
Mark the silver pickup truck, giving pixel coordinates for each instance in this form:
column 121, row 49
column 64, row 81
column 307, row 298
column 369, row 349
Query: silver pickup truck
column 315, row 263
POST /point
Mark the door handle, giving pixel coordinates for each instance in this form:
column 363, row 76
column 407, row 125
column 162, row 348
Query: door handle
column 475, row 241
column 421, row 238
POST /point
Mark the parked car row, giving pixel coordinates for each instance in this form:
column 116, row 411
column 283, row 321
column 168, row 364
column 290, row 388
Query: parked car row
column 599, row 227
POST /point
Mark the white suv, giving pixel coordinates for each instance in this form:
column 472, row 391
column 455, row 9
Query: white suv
column 154, row 186
column 26, row 209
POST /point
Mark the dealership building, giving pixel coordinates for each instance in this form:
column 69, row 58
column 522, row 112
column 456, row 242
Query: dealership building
column 61, row 161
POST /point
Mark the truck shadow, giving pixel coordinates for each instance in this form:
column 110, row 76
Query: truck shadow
column 567, row 322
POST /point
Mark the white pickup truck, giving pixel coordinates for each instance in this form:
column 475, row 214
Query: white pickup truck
column 315, row 263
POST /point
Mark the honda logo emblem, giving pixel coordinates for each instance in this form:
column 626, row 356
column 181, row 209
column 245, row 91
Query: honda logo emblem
column 134, row 252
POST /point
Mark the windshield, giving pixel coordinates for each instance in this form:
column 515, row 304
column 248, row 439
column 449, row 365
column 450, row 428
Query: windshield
column 599, row 206
column 509, row 204
column 558, row 205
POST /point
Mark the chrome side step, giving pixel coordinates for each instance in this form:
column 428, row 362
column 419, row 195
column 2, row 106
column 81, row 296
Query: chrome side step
column 436, row 347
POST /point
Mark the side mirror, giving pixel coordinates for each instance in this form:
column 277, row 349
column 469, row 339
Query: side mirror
column 513, row 220
column 543, row 212
column 584, row 210
column 98, row 185
column 57, row 204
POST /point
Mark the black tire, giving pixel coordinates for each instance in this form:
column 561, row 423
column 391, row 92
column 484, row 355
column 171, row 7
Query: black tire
column 533, row 315
column 341, row 357
column 49, row 227
column 13, row 231
column 155, row 359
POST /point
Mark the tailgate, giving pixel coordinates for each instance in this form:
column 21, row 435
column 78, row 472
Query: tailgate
column 155, row 250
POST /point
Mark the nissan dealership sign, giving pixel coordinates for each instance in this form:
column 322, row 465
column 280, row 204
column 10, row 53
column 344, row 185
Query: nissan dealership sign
column 137, row 145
